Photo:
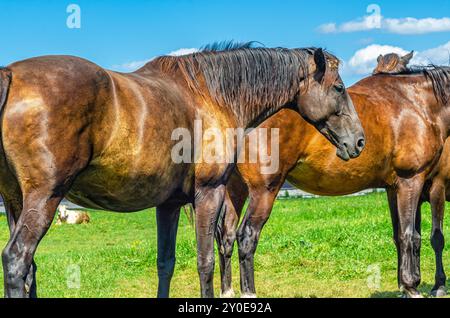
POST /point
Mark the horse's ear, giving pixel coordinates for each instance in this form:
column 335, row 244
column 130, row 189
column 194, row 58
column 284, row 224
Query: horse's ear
column 379, row 58
column 407, row 58
column 321, row 64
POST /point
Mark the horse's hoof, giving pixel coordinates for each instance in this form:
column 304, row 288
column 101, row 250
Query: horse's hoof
column 248, row 295
column 228, row 294
column 411, row 293
column 439, row 292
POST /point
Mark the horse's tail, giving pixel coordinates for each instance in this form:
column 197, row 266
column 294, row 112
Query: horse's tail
column 5, row 81
column 190, row 213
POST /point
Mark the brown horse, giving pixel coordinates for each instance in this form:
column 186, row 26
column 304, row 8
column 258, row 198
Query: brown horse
column 406, row 120
column 105, row 139
column 437, row 188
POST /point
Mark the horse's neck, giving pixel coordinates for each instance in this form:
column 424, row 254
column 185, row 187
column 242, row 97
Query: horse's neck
column 415, row 88
column 440, row 112
column 249, row 117
column 421, row 92
column 242, row 115
column 238, row 115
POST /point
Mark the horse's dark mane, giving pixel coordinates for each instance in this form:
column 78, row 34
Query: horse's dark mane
column 440, row 77
column 239, row 74
column 228, row 46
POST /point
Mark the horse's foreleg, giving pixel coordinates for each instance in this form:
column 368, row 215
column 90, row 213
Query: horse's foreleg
column 208, row 203
column 36, row 217
column 409, row 239
column 167, row 217
column 257, row 214
column 437, row 202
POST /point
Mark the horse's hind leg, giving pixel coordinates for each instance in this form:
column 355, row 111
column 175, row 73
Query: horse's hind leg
column 225, row 237
column 437, row 201
column 257, row 214
column 13, row 207
column 36, row 217
column 235, row 196
column 44, row 179
column 167, row 217
column 208, row 202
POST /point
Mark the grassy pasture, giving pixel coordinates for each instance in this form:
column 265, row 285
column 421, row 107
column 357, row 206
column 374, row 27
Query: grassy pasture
column 325, row 247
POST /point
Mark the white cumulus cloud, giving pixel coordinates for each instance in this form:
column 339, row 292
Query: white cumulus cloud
column 416, row 26
column 398, row 26
column 439, row 55
column 363, row 24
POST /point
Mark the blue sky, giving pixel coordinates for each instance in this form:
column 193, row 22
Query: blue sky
column 123, row 34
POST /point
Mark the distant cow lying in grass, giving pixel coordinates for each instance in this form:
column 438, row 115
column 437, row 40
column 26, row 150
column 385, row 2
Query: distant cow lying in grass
column 71, row 217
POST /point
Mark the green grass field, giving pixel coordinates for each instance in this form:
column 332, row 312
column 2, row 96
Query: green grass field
column 309, row 248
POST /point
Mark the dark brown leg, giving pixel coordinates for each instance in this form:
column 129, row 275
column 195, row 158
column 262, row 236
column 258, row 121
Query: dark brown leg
column 437, row 201
column 208, row 203
column 235, row 197
column 409, row 239
column 167, row 217
column 257, row 214
column 36, row 217
column 225, row 237
column 13, row 207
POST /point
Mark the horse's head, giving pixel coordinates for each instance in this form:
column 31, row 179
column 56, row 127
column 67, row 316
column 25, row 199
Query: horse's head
column 325, row 103
column 393, row 63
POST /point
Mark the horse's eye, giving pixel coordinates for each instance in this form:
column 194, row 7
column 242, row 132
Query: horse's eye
column 339, row 88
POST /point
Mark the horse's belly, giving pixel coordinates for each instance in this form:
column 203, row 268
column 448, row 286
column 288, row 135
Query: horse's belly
column 109, row 188
column 126, row 195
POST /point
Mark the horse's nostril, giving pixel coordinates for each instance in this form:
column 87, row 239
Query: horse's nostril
column 360, row 143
